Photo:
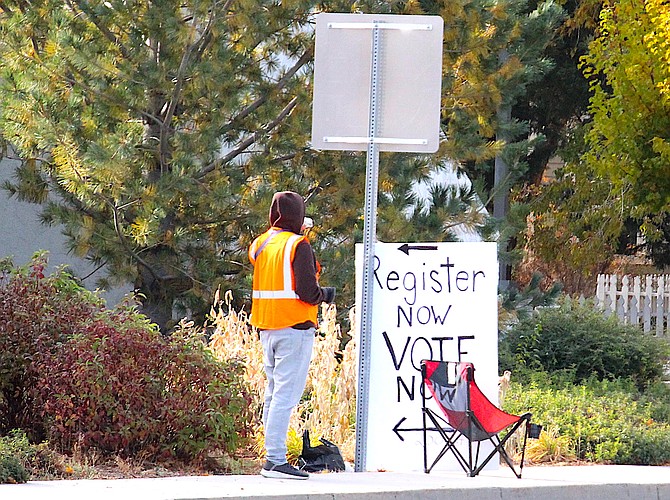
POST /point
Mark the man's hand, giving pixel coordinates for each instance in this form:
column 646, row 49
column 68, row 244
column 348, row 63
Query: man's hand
column 329, row 294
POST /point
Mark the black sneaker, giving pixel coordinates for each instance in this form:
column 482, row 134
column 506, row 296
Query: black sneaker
column 282, row 471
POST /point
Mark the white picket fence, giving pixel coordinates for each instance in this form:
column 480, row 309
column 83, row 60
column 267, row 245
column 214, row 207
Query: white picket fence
column 639, row 300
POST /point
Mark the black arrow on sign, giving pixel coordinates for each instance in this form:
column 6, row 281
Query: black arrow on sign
column 398, row 430
column 406, row 248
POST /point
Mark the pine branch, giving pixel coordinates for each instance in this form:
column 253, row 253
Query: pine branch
column 313, row 191
column 504, row 186
column 207, row 37
column 102, row 95
column 80, row 207
column 196, row 47
column 103, row 29
column 248, row 141
column 281, row 83
column 124, row 243
column 66, row 195
column 104, row 263
column 183, row 272
column 283, row 158
column 218, row 222
column 24, row 8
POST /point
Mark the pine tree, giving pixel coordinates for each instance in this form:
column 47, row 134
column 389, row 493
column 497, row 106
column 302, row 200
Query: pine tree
column 165, row 127
column 159, row 125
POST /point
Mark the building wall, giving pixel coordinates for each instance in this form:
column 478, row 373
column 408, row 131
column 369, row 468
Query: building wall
column 22, row 235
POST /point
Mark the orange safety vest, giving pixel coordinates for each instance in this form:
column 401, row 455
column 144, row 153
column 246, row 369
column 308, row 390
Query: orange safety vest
column 274, row 303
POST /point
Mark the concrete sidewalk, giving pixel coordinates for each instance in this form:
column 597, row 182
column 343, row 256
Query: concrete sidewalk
column 597, row 482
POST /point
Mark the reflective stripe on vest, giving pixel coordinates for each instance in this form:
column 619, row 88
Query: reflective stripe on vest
column 288, row 292
column 274, row 294
column 256, row 251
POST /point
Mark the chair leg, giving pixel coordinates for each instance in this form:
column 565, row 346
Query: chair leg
column 508, row 460
column 450, row 445
column 499, row 447
column 523, row 448
column 425, row 441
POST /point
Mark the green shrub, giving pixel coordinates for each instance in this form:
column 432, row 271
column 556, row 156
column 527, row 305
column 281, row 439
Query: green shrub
column 580, row 340
column 657, row 395
column 15, row 452
column 604, row 421
column 648, row 446
column 11, row 470
column 207, row 406
column 38, row 460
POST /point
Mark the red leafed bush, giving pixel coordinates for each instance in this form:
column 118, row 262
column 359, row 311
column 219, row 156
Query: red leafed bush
column 120, row 387
column 206, row 401
column 36, row 313
column 103, row 388
column 106, row 379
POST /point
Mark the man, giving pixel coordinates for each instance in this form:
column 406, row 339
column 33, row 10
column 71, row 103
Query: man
column 284, row 307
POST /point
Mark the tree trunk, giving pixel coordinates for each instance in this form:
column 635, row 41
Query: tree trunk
column 159, row 289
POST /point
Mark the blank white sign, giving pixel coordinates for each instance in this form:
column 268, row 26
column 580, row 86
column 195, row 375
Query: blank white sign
column 409, row 82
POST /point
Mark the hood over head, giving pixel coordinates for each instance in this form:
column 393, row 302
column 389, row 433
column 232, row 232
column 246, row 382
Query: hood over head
column 287, row 211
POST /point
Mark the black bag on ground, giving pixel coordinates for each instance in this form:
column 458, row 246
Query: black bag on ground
column 326, row 456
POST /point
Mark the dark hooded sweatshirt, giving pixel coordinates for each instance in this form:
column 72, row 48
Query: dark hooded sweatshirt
column 287, row 211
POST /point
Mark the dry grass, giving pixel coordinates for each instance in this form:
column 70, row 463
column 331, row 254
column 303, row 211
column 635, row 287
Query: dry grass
column 328, row 405
column 550, row 447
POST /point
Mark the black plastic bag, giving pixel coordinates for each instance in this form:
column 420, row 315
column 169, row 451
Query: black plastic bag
column 326, row 456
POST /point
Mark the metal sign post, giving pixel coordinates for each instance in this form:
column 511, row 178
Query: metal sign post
column 410, row 107
column 369, row 236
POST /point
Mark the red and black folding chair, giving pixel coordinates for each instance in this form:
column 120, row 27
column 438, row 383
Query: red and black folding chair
column 466, row 413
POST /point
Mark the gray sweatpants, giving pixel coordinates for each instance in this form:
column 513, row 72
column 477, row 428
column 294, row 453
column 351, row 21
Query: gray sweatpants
column 286, row 355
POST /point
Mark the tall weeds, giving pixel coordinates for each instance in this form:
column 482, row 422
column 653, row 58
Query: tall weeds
column 328, row 406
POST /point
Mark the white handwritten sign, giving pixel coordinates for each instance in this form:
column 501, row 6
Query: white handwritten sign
column 430, row 301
